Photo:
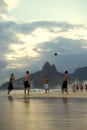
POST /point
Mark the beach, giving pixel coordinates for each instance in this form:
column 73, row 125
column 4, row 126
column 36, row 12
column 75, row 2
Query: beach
column 40, row 111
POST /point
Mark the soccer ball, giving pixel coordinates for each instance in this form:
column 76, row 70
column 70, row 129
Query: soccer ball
column 55, row 54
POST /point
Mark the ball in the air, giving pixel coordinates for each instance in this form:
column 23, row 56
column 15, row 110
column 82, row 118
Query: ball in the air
column 55, row 54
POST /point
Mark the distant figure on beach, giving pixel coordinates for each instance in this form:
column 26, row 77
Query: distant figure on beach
column 11, row 80
column 46, row 86
column 26, row 82
column 74, row 88
column 64, row 85
column 81, row 88
column 77, row 88
column 86, row 87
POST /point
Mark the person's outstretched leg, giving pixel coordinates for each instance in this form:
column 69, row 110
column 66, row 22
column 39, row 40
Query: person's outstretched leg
column 24, row 91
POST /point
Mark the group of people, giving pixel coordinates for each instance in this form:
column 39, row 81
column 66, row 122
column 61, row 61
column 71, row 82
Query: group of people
column 26, row 82
column 77, row 88
column 64, row 87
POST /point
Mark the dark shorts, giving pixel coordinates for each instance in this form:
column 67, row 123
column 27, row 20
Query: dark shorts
column 10, row 86
column 26, row 84
column 64, row 85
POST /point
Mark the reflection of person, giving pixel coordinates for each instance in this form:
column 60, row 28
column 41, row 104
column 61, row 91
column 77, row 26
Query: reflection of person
column 11, row 80
column 64, row 85
column 27, row 82
column 65, row 101
column 46, row 87
column 10, row 98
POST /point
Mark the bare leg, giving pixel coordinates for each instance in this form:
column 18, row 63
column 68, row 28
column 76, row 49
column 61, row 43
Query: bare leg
column 9, row 91
column 24, row 91
column 67, row 92
column 28, row 91
column 48, row 89
column 45, row 90
column 62, row 91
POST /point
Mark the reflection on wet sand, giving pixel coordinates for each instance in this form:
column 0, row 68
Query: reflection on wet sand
column 26, row 99
column 27, row 113
column 10, row 98
column 65, row 101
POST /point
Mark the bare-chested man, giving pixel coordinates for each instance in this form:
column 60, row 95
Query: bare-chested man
column 27, row 82
column 64, row 85
column 46, row 86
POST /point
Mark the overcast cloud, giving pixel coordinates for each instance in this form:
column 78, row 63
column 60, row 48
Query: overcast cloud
column 28, row 45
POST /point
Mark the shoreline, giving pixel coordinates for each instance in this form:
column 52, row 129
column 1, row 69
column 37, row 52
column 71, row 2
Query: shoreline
column 56, row 94
column 50, row 95
column 59, row 95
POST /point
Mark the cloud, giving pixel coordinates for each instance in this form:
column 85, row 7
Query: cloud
column 29, row 45
column 3, row 6
column 11, row 4
column 7, row 5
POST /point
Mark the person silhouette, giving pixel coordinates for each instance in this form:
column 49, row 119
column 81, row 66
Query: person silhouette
column 11, row 81
column 26, row 82
column 64, row 84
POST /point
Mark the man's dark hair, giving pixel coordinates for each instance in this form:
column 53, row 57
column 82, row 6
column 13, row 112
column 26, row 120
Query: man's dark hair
column 27, row 72
column 11, row 74
column 66, row 72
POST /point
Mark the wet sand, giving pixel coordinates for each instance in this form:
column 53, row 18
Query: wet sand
column 41, row 111
column 58, row 94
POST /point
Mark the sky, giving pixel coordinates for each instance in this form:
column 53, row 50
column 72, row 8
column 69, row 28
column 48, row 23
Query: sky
column 32, row 31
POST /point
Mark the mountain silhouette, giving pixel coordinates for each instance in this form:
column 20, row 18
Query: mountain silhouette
column 55, row 77
column 52, row 74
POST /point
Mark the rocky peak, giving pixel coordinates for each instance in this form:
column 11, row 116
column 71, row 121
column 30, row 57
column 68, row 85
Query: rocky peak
column 81, row 73
column 46, row 66
column 53, row 68
column 48, row 69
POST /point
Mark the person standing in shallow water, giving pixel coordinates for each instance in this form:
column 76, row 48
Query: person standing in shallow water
column 46, row 87
column 27, row 83
column 11, row 80
column 64, row 85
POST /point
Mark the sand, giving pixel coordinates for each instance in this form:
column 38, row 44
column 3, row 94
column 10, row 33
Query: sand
column 51, row 93
column 58, row 94
column 40, row 111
